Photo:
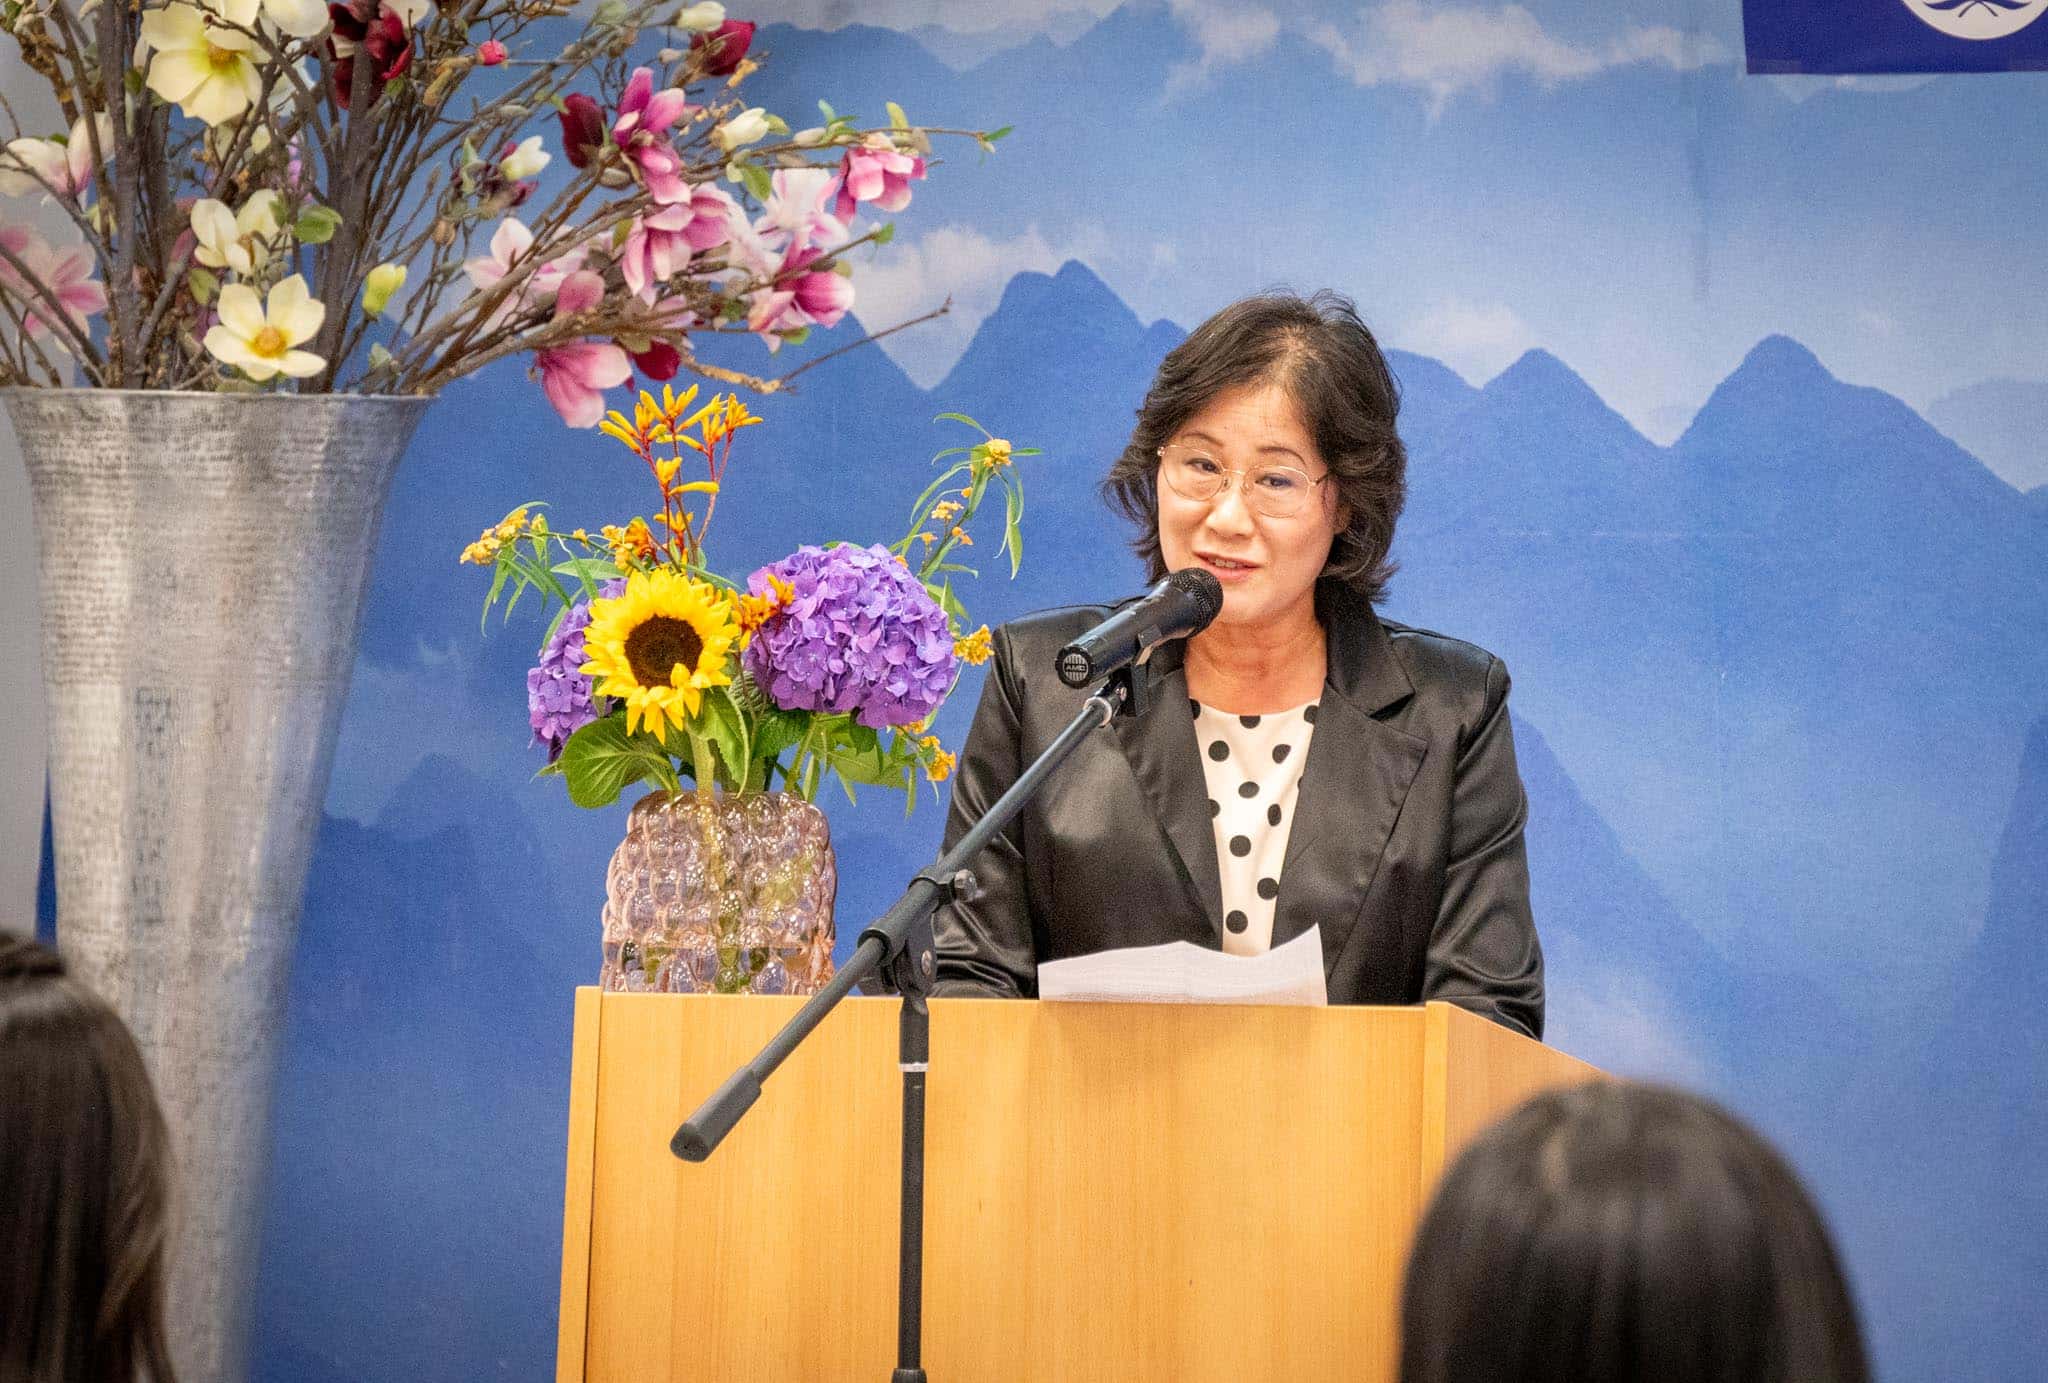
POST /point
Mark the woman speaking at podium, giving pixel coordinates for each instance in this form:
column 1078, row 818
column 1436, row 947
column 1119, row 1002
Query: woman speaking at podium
column 1300, row 762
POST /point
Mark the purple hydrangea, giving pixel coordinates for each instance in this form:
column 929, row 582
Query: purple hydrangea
column 558, row 695
column 861, row 634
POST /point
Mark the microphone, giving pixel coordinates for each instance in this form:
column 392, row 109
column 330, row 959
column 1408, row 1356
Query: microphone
column 1184, row 603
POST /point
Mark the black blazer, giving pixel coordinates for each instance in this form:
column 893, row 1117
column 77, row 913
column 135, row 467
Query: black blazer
column 1406, row 846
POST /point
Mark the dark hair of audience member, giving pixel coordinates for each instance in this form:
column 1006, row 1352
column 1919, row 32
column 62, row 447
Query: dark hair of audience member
column 84, row 1166
column 1617, row 1233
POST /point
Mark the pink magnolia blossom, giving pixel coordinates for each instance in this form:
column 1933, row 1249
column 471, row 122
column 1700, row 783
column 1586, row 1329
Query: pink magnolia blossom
column 640, row 131
column 748, row 250
column 575, row 375
column 661, row 242
column 801, row 296
column 800, row 203
column 61, row 170
column 67, row 273
column 876, row 172
column 511, row 246
column 579, row 292
column 490, row 53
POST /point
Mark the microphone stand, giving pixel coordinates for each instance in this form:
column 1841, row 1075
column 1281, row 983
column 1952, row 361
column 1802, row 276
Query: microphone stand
column 900, row 944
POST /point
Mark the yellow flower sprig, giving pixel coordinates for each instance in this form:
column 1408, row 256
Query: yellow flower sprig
column 659, row 423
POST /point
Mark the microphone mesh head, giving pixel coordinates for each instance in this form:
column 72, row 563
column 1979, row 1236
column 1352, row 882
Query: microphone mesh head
column 1206, row 589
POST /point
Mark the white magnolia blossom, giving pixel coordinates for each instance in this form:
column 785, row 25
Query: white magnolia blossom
column 410, row 12
column 260, row 338
column 700, row 19
column 745, row 128
column 299, row 18
column 235, row 240
column 525, row 161
column 198, row 64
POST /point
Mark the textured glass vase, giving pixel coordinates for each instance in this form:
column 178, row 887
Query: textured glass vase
column 713, row 893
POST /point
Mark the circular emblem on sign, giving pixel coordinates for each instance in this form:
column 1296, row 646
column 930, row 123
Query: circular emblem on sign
column 1978, row 18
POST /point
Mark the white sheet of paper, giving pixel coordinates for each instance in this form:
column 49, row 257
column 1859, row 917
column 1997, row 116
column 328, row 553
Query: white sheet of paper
column 1181, row 972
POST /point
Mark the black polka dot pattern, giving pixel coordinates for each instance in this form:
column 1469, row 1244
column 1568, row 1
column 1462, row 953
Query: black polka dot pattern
column 1308, row 713
column 1252, row 765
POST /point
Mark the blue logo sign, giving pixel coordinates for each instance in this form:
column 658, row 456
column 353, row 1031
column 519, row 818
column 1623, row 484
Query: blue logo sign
column 1844, row 36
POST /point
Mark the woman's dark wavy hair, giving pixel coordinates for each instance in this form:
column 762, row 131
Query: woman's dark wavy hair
column 1318, row 350
column 1620, row 1233
column 84, row 1162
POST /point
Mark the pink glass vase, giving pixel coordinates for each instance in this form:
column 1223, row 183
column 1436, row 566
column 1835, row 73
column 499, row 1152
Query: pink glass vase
column 715, row 893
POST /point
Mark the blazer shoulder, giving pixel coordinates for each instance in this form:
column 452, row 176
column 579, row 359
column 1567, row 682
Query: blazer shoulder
column 1444, row 669
column 1046, row 632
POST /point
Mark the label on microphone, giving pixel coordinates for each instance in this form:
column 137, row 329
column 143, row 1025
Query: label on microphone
column 1074, row 667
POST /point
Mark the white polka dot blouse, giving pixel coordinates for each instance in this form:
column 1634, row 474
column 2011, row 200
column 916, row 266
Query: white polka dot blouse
column 1253, row 767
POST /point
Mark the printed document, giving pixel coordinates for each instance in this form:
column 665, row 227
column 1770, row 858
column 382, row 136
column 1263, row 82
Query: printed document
column 1184, row 973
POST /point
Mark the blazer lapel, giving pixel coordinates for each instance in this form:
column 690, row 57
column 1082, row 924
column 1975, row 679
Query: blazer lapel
column 1353, row 785
column 1160, row 744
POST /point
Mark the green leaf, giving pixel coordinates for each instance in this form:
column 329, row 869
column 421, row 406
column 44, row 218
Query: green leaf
column 777, row 731
column 601, row 759
column 316, row 225
column 961, row 418
column 993, row 135
column 897, row 119
column 885, row 232
column 589, row 572
column 203, row 283
column 1013, row 510
column 497, row 584
column 756, row 180
column 825, row 109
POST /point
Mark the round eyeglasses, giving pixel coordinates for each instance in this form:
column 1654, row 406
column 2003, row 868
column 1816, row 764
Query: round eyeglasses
column 1193, row 472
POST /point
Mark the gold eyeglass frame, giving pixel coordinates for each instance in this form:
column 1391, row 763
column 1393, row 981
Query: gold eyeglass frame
column 1233, row 476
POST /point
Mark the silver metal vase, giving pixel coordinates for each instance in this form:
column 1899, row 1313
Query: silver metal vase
column 202, row 566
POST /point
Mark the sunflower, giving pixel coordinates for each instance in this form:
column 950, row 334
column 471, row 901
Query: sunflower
column 657, row 645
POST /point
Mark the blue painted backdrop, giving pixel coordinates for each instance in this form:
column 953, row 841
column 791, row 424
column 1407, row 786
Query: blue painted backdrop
column 1725, row 400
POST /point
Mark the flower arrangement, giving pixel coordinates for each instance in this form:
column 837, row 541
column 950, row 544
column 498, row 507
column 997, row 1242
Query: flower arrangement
column 832, row 660
column 331, row 197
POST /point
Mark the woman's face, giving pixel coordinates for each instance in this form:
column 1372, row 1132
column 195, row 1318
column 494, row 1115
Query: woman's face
column 1267, row 561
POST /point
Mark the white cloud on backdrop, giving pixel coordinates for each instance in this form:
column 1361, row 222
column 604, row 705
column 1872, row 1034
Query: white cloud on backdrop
column 972, row 16
column 1448, row 49
column 971, row 268
column 1226, row 33
column 1478, row 340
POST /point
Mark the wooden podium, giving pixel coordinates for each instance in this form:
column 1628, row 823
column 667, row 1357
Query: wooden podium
column 1125, row 1191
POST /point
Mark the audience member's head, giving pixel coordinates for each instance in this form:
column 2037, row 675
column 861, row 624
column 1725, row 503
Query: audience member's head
column 1618, row 1233
column 83, row 1164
